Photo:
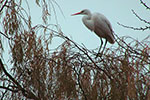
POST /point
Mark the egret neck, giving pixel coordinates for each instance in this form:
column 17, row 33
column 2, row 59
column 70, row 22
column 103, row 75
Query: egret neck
column 87, row 20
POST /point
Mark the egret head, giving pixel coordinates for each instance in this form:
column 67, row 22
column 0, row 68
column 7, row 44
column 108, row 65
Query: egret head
column 83, row 12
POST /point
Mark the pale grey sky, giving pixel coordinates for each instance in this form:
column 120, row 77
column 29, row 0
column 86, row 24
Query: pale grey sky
column 114, row 10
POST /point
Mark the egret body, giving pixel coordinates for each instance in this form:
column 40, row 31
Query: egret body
column 99, row 24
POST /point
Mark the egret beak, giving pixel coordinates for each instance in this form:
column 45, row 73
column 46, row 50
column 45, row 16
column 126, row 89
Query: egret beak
column 76, row 14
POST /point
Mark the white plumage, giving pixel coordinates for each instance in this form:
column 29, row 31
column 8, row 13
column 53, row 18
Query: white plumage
column 99, row 24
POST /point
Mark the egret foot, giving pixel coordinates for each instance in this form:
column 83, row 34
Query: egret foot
column 99, row 55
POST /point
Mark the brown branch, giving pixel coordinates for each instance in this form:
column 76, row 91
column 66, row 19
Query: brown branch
column 79, row 83
column 107, row 74
column 27, row 94
column 128, row 47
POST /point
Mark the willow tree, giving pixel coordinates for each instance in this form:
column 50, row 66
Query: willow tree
column 70, row 71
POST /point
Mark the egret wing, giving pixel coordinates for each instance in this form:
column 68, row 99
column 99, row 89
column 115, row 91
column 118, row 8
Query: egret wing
column 102, row 27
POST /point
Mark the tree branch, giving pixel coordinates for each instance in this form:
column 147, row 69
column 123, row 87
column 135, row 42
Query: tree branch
column 140, row 17
column 86, row 53
column 144, row 4
column 3, row 94
column 135, row 28
column 7, row 88
column 5, row 35
column 79, row 83
column 3, row 5
column 27, row 94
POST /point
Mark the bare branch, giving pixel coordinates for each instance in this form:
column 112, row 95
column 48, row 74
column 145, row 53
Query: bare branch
column 140, row 17
column 144, row 4
column 3, row 95
column 27, row 94
column 5, row 35
column 7, row 88
column 3, row 5
column 134, row 28
column 86, row 53
column 79, row 83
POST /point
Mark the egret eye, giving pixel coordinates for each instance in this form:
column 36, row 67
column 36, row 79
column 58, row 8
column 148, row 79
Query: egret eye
column 82, row 11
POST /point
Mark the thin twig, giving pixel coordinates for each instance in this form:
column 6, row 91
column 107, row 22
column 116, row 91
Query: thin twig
column 7, row 88
column 79, row 83
column 144, row 4
column 135, row 28
column 3, row 5
column 5, row 35
column 109, row 76
column 27, row 94
column 140, row 17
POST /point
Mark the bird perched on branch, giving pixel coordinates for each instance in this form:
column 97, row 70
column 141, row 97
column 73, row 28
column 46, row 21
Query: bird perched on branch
column 100, row 25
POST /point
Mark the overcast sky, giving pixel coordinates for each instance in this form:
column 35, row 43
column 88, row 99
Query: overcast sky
column 114, row 10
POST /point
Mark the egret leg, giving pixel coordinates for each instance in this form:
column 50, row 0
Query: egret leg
column 100, row 54
column 99, row 48
column 104, row 46
column 100, row 45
